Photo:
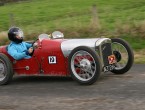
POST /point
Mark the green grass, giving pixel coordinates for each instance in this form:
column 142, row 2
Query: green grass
column 117, row 18
column 135, row 42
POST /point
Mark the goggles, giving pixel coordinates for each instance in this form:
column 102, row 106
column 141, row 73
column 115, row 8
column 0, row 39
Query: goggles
column 19, row 33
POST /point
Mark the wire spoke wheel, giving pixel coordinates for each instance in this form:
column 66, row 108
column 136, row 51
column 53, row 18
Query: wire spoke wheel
column 120, row 50
column 124, row 55
column 2, row 70
column 6, row 71
column 84, row 65
column 86, row 68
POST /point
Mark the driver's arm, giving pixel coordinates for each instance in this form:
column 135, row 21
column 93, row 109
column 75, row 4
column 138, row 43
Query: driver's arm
column 28, row 45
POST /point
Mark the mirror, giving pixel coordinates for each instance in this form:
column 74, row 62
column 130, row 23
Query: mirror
column 57, row 35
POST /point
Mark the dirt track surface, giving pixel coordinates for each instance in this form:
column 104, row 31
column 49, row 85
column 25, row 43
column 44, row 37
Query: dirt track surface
column 111, row 92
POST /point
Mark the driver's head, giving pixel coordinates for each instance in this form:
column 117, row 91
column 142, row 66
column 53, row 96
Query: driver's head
column 15, row 34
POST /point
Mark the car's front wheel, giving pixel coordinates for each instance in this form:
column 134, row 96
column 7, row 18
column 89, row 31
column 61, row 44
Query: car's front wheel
column 6, row 70
column 124, row 55
column 84, row 65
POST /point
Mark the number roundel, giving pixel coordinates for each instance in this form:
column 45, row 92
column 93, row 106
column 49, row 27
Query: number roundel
column 52, row 59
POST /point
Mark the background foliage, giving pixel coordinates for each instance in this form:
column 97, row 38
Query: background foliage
column 76, row 19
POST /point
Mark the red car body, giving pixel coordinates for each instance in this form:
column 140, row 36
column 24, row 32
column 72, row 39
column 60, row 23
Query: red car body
column 39, row 63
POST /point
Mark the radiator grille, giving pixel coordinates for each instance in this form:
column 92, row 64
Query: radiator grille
column 106, row 51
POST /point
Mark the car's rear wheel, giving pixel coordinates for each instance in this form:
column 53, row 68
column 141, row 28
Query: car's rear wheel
column 6, row 70
column 124, row 55
column 84, row 65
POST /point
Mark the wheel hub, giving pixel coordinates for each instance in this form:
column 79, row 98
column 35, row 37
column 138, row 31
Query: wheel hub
column 117, row 55
column 85, row 64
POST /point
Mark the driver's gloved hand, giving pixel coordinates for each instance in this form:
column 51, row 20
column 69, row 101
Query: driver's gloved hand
column 30, row 50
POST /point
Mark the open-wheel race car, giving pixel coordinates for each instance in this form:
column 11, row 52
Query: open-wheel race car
column 82, row 59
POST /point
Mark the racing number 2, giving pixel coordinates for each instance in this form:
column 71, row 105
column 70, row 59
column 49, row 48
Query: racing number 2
column 52, row 59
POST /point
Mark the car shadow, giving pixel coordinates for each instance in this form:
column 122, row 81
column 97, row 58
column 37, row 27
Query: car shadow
column 40, row 79
column 23, row 79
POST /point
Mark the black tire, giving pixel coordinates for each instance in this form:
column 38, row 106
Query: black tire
column 130, row 56
column 6, row 70
column 91, row 68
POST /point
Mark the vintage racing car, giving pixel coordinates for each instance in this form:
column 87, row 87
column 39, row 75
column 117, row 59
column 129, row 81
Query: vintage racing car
column 82, row 59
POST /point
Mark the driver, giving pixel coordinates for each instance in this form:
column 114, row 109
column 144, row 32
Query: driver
column 17, row 48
